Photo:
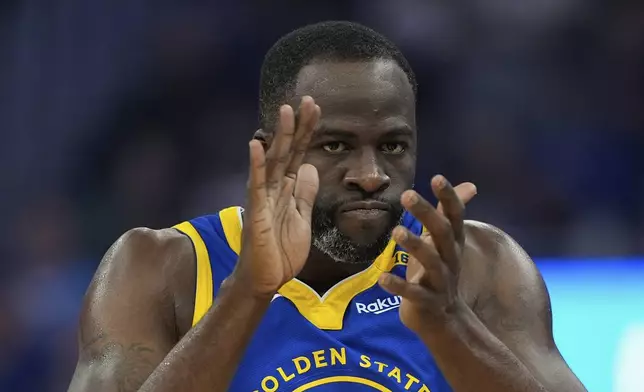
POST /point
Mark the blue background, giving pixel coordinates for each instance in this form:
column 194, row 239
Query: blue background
column 594, row 303
column 116, row 115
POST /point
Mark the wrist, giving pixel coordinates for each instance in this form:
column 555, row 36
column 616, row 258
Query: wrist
column 236, row 286
column 453, row 318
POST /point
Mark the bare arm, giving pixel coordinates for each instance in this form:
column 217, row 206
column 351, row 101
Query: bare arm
column 129, row 321
column 505, row 342
column 515, row 308
column 500, row 341
column 206, row 359
column 128, row 326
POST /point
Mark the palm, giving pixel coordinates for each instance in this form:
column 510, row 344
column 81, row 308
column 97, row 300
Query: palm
column 277, row 228
column 422, row 274
column 283, row 241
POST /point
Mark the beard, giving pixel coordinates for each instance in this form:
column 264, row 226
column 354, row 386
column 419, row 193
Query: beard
column 328, row 239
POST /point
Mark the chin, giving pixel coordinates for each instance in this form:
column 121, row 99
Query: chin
column 365, row 232
column 351, row 247
column 353, row 238
column 367, row 236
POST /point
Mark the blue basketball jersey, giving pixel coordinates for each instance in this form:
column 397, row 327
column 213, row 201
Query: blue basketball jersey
column 349, row 339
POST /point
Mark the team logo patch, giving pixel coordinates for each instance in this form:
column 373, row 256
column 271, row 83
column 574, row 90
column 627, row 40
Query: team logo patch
column 379, row 306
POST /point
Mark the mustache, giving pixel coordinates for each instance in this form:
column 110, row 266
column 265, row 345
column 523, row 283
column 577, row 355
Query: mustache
column 392, row 201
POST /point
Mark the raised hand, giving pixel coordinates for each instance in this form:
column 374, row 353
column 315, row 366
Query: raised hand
column 430, row 291
column 276, row 237
column 465, row 191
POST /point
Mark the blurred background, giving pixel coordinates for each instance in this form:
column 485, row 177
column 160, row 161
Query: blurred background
column 122, row 114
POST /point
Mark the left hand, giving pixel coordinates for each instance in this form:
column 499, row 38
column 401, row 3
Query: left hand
column 429, row 294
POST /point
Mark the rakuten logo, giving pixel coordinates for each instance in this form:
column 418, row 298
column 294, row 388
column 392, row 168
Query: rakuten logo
column 380, row 305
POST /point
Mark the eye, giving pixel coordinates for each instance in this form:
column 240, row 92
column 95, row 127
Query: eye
column 335, row 147
column 393, row 148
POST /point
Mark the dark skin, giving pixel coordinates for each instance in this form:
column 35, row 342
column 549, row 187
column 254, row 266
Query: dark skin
column 477, row 301
column 472, row 295
column 363, row 148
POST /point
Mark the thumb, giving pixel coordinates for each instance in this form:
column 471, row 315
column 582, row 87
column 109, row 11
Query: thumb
column 465, row 192
column 306, row 189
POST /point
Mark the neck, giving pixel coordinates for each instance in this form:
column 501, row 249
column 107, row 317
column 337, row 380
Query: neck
column 321, row 272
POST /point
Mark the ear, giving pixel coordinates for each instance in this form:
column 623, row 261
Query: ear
column 266, row 138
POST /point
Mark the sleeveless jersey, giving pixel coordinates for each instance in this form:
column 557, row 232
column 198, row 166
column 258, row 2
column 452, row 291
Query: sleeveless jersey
column 349, row 339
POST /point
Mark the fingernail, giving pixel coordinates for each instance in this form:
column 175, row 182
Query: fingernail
column 284, row 109
column 440, row 181
column 400, row 234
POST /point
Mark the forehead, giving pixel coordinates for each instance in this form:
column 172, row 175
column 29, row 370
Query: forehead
column 373, row 91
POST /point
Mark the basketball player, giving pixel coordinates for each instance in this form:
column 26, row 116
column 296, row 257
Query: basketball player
column 296, row 292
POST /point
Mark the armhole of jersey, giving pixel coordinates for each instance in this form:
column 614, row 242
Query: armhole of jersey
column 204, row 289
column 231, row 222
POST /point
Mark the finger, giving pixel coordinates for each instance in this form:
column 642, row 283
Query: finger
column 306, row 189
column 465, row 191
column 257, row 177
column 398, row 286
column 453, row 207
column 437, row 225
column 426, row 254
column 279, row 154
column 309, row 115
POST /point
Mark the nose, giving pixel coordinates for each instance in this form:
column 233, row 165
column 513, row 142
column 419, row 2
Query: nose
column 366, row 174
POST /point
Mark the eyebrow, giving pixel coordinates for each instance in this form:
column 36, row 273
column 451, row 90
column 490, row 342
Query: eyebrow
column 398, row 131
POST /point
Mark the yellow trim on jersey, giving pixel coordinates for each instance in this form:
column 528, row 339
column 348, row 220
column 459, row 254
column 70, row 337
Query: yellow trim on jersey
column 231, row 222
column 337, row 379
column 327, row 312
column 203, row 291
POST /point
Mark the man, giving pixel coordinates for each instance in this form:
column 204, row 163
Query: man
column 290, row 296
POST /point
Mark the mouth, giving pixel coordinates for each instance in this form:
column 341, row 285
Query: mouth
column 370, row 205
column 365, row 210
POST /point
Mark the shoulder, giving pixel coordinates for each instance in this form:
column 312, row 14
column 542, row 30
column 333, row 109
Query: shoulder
column 163, row 240
column 493, row 245
column 156, row 266
column 493, row 262
column 513, row 303
column 143, row 248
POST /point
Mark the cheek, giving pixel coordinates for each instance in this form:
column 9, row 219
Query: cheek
column 330, row 182
column 328, row 169
column 312, row 157
column 402, row 172
column 330, row 178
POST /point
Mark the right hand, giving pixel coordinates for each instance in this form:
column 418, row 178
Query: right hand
column 276, row 236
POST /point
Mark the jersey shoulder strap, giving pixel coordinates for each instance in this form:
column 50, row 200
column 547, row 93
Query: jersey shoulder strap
column 216, row 240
